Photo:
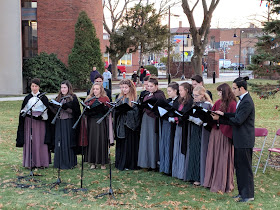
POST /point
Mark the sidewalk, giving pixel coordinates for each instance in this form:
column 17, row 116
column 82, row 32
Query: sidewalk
column 224, row 77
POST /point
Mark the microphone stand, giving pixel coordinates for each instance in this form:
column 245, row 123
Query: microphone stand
column 58, row 180
column 83, row 157
column 110, row 192
column 31, row 174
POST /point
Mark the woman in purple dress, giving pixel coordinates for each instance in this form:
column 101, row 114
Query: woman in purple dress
column 31, row 134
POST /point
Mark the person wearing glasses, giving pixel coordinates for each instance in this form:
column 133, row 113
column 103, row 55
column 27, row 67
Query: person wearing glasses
column 99, row 79
column 197, row 80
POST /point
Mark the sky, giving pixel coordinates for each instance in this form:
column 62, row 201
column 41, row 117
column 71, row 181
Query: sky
column 228, row 14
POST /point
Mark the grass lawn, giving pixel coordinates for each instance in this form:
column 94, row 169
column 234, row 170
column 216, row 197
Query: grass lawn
column 133, row 189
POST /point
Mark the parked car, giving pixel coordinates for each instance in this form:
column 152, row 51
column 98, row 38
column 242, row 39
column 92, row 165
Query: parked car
column 160, row 66
column 224, row 63
column 235, row 66
column 121, row 68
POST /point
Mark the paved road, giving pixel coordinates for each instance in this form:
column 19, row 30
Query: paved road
column 224, row 77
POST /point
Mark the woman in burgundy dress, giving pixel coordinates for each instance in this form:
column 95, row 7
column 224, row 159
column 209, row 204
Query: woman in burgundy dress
column 219, row 169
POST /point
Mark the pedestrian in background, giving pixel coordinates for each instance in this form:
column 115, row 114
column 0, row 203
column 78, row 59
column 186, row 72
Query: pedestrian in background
column 134, row 77
column 106, row 76
column 93, row 74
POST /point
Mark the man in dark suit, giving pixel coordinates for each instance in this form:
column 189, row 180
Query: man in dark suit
column 243, row 123
column 99, row 80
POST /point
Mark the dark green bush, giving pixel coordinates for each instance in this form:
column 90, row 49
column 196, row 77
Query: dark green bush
column 152, row 69
column 48, row 68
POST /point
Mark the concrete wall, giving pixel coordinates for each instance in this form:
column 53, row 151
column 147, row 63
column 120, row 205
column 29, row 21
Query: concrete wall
column 10, row 48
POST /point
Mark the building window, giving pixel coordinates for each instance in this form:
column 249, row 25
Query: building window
column 212, row 42
column 29, row 28
column 126, row 60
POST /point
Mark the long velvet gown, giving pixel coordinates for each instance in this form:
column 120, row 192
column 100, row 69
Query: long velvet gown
column 127, row 136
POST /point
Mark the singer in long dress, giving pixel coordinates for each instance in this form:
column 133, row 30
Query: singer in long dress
column 198, row 138
column 40, row 152
column 167, row 132
column 185, row 102
column 98, row 134
column 127, row 132
column 219, row 170
column 66, row 138
column 148, row 154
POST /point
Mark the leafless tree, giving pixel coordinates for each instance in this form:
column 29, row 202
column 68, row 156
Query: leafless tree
column 199, row 35
column 117, row 10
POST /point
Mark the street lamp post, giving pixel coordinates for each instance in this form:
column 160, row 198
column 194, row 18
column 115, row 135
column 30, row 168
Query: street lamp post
column 183, row 72
column 239, row 57
column 183, row 75
column 168, row 56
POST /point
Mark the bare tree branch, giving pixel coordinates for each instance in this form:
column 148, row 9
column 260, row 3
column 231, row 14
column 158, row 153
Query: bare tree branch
column 194, row 6
column 205, row 9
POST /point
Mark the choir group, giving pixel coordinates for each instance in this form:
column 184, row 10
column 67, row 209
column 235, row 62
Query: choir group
column 150, row 131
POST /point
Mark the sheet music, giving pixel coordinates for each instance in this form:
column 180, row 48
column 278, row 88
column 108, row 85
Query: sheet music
column 150, row 106
column 178, row 113
column 55, row 102
column 162, row 111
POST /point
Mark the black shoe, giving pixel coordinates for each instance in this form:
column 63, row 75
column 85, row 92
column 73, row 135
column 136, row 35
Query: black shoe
column 236, row 196
column 243, row 200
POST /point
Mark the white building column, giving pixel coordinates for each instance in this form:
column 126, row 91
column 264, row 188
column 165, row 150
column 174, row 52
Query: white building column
column 10, row 48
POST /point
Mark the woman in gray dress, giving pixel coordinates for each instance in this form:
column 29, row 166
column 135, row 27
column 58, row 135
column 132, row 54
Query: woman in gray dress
column 185, row 102
column 148, row 154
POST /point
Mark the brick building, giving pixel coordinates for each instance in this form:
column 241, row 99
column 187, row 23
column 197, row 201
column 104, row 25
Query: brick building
column 43, row 26
column 225, row 42
column 56, row 24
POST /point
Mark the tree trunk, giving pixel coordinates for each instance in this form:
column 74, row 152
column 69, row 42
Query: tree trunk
column 199, row 35
column 197, row 63
column 140, row 57
column 114, row 67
